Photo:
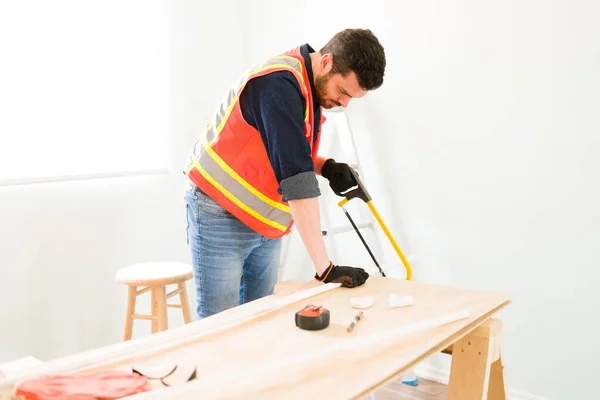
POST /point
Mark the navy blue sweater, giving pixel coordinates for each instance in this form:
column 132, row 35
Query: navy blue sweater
column 274, row 105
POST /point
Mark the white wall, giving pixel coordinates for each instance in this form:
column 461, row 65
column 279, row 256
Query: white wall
column 486, row 135
column 478, row 150
column 62, row 243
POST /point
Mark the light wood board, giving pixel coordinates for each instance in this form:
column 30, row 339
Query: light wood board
column 225, row 359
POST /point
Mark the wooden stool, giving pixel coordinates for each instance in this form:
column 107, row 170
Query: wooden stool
column 155, row 276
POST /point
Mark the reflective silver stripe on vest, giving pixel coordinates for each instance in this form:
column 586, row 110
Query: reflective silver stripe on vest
column 243, row 194
column 219, row 116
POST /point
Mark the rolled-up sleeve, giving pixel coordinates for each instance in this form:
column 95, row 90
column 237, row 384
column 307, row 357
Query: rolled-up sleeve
column 274, row 105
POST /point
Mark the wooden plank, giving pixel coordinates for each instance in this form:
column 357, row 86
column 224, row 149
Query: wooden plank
column 123, row 353
column 272, row 337
column 354, row 373
column 361, row 343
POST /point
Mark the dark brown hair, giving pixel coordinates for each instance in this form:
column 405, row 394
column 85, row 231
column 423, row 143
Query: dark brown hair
column 357, row 50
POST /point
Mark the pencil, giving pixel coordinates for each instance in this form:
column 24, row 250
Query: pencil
column 355, row 320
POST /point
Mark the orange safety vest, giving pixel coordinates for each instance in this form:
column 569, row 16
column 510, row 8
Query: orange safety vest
column 229, row 161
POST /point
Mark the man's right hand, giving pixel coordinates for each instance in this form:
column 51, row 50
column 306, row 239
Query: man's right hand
column 339, row 176
column 347, row 276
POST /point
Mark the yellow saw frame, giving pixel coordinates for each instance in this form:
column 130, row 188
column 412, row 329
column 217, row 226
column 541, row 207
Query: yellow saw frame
column 361, row 192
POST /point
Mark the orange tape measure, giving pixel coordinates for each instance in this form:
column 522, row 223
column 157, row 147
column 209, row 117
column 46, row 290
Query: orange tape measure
column 312, row 318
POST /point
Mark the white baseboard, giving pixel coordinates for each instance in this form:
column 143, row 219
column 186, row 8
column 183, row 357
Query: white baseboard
column 433, row 374
column 442, row 376
column 518, row 395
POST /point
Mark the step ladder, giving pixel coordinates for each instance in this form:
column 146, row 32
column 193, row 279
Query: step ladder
column 338, row 141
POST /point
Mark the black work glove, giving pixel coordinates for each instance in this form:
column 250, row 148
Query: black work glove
column 347, row 276
column 339, row 176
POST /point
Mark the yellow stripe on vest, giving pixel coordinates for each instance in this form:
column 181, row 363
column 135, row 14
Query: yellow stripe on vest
column 235, row 200
column 242, row 181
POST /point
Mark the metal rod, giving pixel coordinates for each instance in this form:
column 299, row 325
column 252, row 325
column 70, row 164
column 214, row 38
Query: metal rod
column 363, row 241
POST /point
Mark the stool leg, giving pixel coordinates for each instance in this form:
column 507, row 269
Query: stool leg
column 159, row 308
column 154, row 306
column 185, row 305
column 131, row 296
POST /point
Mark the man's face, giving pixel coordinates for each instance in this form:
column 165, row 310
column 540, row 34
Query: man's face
column 335, row 90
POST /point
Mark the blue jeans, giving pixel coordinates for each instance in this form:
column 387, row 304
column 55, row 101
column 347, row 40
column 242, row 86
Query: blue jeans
column 232, row 263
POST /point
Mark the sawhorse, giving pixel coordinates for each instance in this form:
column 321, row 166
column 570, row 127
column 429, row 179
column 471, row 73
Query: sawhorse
column 477, row 371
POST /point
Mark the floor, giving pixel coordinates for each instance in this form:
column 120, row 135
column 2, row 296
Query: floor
column 425, row 390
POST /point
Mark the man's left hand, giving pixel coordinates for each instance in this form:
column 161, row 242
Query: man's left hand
column 339, row 176
column 347, row 276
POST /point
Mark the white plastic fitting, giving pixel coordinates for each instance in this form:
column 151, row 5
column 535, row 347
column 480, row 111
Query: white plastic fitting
column 361, row 302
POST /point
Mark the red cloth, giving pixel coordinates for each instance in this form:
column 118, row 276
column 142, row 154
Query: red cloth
column 107, row 385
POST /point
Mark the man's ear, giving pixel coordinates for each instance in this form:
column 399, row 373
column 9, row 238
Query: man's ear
column 326, row 63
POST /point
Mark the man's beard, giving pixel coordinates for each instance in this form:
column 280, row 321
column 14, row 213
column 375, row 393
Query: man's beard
column 320, row 87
